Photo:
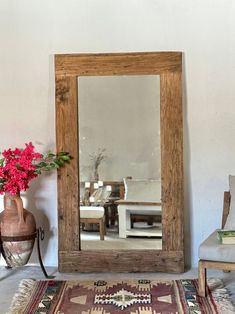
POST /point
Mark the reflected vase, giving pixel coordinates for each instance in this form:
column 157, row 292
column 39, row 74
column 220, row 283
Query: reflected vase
column 96, row 175
column 18, row 230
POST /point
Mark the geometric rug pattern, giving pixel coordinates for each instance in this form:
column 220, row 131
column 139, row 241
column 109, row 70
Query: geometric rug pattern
column 126, row 297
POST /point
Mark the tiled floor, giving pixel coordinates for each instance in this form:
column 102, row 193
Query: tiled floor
column 9, row 279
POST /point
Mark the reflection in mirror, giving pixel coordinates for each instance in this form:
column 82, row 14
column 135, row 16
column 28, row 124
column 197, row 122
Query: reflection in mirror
column 120, row 165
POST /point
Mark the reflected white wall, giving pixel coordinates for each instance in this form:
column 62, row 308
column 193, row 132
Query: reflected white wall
column 120, row 114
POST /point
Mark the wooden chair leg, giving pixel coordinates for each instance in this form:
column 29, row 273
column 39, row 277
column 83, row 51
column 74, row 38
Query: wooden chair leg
column 202, row 279
column 106, row 212
column 102, row 228
column 104, row 224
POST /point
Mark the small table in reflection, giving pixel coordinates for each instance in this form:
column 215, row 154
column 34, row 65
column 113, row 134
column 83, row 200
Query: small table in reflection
column 111, row 211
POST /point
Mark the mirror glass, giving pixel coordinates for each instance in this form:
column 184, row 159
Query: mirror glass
column 120, row 162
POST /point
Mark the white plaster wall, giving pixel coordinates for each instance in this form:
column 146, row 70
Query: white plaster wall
column 32, row 31
column 120, row 114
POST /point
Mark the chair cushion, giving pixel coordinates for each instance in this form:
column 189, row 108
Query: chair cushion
column 91, row 212
column 230, row 222
column 212, row 250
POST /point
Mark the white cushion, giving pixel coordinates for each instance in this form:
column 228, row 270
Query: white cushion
column 230, row 223
column 91, row 212
column 142, row 190
column 212, row 250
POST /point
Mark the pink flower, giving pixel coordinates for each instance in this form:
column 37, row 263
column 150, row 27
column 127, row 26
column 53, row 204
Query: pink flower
column 18, row 169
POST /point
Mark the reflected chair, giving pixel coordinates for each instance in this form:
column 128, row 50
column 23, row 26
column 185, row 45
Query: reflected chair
column 213, row 254
column 93, row 209
column 94, row 215
column 104, row 195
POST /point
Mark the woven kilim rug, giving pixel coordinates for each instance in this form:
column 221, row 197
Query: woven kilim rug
column 132, row 297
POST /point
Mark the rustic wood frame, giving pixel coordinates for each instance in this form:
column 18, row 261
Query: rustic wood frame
column 68, row 68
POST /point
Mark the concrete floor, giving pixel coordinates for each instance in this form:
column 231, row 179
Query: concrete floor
column 90, row 240
column 9, row 279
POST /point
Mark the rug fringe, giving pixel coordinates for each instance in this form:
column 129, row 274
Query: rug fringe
column 221, row 296
column 21, row 298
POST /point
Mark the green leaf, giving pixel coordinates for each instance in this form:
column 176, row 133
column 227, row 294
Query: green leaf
column 42, row 164
column 51, row 155
column 66, row 157
column 59, row 162
column 56, row 165
column 62, row 153
column 2, row 161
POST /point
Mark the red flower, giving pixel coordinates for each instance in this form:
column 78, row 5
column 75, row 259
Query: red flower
column 18, row 168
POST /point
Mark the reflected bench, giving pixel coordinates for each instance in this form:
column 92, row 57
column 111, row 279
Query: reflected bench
column 142, row 197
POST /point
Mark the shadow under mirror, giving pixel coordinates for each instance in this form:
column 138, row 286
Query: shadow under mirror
column 120, row 162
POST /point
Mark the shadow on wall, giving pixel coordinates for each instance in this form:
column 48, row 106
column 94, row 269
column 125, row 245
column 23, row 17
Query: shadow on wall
column 34, row 202
column 187, row 179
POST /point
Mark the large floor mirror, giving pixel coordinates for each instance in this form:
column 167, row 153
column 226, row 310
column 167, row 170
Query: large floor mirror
column 120, row 201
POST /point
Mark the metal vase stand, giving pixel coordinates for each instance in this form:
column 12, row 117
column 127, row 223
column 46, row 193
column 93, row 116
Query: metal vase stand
column 39, row 235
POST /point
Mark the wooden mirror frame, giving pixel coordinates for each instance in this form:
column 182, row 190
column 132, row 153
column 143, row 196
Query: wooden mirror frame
column 68, row 67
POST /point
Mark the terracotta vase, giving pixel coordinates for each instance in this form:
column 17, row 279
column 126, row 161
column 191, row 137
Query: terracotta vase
column 17, row 222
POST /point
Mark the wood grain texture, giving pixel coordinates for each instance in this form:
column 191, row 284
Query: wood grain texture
column 142, row 63
column 67, row 137
column 169, row 66
column 172, row 160
column 202, row 279
column 122, row 261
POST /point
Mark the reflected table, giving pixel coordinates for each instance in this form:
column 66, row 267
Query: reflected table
column 128, row 207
